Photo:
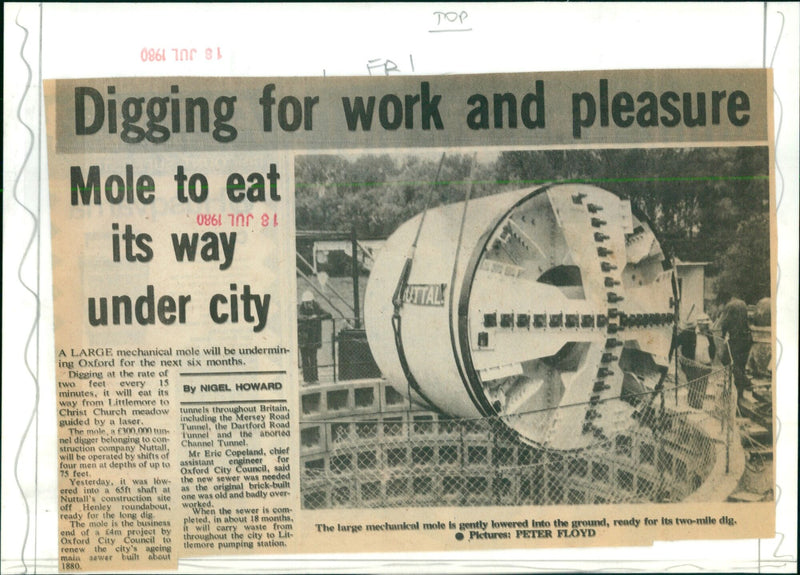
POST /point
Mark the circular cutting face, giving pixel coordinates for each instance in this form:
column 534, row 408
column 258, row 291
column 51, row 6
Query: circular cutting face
column 570, row 317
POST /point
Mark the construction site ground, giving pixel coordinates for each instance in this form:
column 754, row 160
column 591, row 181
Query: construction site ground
column 754, row 420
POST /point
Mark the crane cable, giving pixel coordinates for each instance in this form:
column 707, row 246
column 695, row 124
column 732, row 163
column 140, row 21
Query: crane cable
column 456, row 356
column 397, row 297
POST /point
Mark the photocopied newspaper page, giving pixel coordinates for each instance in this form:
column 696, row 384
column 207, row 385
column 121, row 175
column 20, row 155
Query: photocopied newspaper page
column 368, row 288
column 305, row 315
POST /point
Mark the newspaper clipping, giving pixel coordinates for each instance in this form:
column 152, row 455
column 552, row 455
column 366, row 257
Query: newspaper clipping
column 298, row 315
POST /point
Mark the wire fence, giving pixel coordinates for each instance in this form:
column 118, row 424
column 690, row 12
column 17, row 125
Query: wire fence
column 679, row 438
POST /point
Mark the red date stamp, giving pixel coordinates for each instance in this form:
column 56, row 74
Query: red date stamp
column 211, row 220
column 179, row 54
column 242, row 220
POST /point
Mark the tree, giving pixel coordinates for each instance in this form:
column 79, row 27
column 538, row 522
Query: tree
column 705, row 204
column 376, row 193
column 694, row 197
column 746, row 264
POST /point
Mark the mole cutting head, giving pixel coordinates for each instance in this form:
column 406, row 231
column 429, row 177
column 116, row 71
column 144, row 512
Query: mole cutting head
column 555, row 297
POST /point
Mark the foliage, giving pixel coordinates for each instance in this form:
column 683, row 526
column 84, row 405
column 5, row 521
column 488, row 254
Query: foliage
column 376, row 193
column 745, row 265
column 706, row 204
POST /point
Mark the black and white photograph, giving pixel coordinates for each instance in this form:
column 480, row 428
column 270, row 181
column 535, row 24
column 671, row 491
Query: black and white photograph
column 534, row 327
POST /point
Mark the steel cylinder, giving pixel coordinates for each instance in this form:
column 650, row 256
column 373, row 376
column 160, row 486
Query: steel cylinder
column 551, row 308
